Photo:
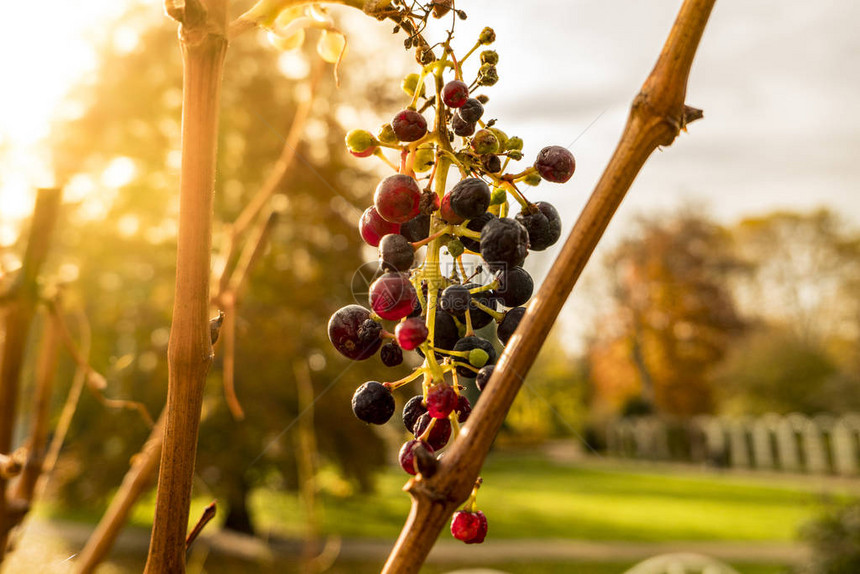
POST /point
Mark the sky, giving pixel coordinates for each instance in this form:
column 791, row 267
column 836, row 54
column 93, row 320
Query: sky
column 778, row 81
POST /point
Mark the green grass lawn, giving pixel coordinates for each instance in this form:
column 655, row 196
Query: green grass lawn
column 530, row 497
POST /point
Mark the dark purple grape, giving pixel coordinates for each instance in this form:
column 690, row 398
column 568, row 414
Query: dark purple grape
column 455, row 299
column 470, row 197
column 515, row 287
column 352, row 335
column 373, row 403
column 461, row 127
column 492, row 163
column 504, row 243
column 396, row 253
column 409, row 125
column 476, row 224
column 472, row 343
column 464, row 409
column 413, row 409
column 446, row 334
column 555, row 163
column 543, row 224
column 481, row 318
column 510, row 323
column 391, row 355
column 484, row 377
column 471, row 111
column 417, row 228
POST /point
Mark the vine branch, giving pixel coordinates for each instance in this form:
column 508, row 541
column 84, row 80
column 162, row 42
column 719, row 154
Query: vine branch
column 657, row 115
column 95, row 381
column 20, row 310
column 203, row 43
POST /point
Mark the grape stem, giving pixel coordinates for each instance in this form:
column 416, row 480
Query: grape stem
column 464, row 231
column 497, row 315
column 378, row 153
column 487, row 287
column 444, row 231
column 470, row 52
column 405, row 380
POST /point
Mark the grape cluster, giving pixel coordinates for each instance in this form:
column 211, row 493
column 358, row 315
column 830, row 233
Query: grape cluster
column 432, row 304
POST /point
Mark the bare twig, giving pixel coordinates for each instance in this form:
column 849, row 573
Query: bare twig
column 276, row 177
column 208, row 514
column 137, row 478
column 136, row 481
column 657, row 115
column 95, row 381
column 19, row 316
column 71, row 404
column 46, row 372
column 232, row 276
column 204, row 46
column 228, row 350
column 251, row 252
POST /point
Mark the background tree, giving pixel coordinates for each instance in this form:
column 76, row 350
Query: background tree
column 674, row 315
column 775, row 370
column 801, row 291
column 806, row 273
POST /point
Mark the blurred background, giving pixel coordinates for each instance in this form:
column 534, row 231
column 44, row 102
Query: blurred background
column 700, row 392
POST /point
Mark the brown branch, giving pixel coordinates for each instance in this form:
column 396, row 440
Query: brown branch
column 274, row 180
column 228, row 350
column 208, row 514
column 95, row 381
column 19, row 316
column 233, row 278
column 137, row 478
column 204, row 47
column 46, row 371
column 69, row 406
column 12, row 465
column 251, row 252
column 136, row 481
column 657, row 115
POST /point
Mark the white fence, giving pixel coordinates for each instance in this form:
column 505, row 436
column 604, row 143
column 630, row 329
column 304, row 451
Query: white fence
column 821, row 444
